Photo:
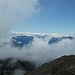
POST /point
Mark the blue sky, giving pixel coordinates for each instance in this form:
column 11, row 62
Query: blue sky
column 54, row 16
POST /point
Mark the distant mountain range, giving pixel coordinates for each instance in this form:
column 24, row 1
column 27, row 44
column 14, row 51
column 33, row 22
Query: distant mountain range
column 57, row 39
column 20, row 39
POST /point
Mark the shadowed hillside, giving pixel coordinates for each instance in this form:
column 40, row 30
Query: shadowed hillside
column 64, row 65
column 10, row 66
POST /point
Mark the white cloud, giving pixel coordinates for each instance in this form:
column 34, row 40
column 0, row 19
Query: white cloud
column 39, row 50
column 19, row 72
column 13, row 11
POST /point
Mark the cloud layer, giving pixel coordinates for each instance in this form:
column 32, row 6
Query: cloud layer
column 39, row 51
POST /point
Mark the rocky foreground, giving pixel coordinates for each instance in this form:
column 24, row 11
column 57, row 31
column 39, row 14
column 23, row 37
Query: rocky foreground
column 64, row 65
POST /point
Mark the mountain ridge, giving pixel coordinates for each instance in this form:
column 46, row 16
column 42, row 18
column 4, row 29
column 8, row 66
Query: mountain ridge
column 64, row 65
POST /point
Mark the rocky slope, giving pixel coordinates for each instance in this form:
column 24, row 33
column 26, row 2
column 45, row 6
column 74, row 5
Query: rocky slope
column 62, row 66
